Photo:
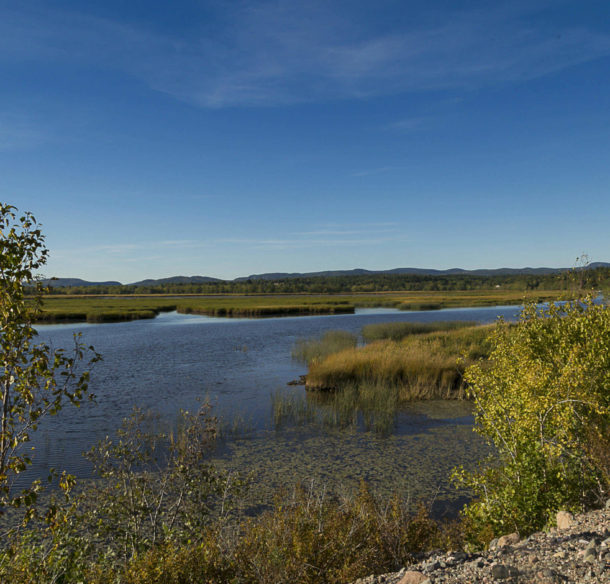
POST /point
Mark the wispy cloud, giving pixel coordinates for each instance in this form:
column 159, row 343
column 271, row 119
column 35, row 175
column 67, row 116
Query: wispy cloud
column 331, row 236
column 407, row 124
column 297, row 243
column 269, row 53
column 134, row 248
column 367, row 229
column 325, row 236
column 180, row 243
column 371, row 171
column 20, row 132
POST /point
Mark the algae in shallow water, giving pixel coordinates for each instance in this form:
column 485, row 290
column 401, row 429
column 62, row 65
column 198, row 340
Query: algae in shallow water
column 416, row 465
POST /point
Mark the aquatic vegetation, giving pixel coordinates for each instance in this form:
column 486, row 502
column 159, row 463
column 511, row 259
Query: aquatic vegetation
column 426, row 366
column 397, row 331
column 263, row 311
column 356, row 406
column 119, row 307
column 320, row 523
column 313, row 350
column 102, row 309
column 122, row 308
column 291, row 408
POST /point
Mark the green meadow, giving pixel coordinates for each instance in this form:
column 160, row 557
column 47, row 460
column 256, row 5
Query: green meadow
column 106, row 308
column 123, row 308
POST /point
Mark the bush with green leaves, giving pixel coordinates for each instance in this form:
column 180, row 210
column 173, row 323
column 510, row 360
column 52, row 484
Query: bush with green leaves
column 35, row 381
column 543, row 401
column 155, row 486
column 307, row 537
column 155, row 491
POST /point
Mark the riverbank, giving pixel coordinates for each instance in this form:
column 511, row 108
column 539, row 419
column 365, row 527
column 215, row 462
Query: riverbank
column 113, row 308
column 577, row 550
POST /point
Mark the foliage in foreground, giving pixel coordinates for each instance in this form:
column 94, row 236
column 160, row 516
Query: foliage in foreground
column 306, row 537
column 35, row 381
column 155, row 489
column 543, row 401
column 160, row 514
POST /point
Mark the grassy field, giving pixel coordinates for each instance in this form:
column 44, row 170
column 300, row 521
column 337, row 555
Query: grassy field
column 120, row 308
column 432, row 300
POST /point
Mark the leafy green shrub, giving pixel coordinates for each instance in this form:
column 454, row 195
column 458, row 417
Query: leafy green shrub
column 36, row 380
column 307, row 537
column 204, row 563
column 543, row 401
column 156, row 487
column 312, row 537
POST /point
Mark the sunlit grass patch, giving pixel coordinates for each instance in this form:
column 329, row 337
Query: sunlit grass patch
column 310, row 350
column 107, row 308
column 428, row 366
column 397, row 331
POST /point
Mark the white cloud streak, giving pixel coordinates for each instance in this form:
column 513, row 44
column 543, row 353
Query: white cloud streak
column 270, row 53
column 19, row 132
column 329, row 236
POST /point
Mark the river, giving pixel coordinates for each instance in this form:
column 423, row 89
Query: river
column 175, row 361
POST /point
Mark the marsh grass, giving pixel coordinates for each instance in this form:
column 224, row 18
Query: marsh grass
column 291, row 408
column 102, row 309
column 425, row 366
column 364, row 406
column 397, row 331
column 313, row 350
column 121, row 308
column 108, row 308
column 421, row 305
column 238, row 426
column 267, row 311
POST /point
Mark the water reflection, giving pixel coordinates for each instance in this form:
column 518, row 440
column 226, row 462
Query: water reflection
column 242, row 366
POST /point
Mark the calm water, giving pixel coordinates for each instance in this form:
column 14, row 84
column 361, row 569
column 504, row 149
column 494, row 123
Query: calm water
column 175, row 361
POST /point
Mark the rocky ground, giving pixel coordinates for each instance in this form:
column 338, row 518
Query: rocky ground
column 576, row 551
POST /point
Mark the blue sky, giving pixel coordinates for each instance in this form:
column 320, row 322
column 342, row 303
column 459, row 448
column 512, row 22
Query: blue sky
column 226, row 138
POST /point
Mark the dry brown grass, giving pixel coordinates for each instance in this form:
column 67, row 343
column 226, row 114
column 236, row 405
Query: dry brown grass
column 423, row 366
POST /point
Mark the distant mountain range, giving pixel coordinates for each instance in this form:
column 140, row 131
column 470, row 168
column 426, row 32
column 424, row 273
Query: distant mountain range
column 65, row 282
column 60, row 282
column 177, row 280
column 401, row 271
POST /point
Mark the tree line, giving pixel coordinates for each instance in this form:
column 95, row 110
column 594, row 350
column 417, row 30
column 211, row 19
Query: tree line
column 565, row 280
